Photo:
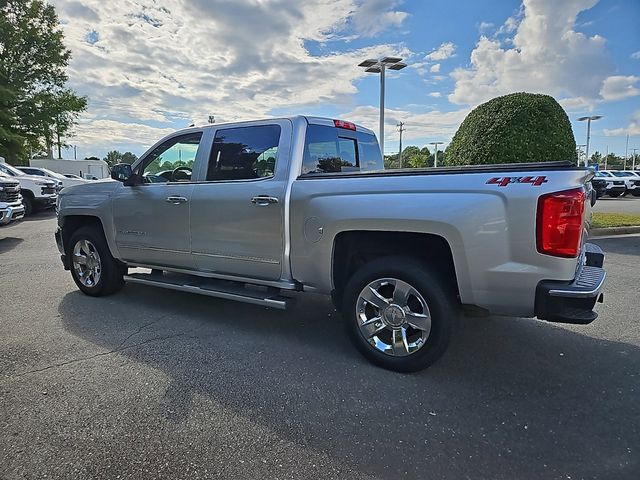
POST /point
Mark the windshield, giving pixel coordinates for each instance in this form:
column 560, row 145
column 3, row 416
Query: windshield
column 623, row 174
column 53, row 174
column 9, row 170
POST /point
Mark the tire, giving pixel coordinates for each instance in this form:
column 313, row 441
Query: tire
column 614, row 194
column 416, row 348
column 635, row 192
column 27, row 202
column 103, row 275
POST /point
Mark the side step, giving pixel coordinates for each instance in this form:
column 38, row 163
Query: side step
column 267, row 297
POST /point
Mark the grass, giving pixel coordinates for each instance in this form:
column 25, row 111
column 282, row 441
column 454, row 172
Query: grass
column 604, row 220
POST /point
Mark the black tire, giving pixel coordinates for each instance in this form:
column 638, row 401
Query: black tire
column 27, row 202
column 111, row 272
column 635, row 192
column 429, row 285
column 614, row 194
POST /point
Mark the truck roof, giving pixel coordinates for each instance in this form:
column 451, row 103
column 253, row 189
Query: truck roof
column 312, row 120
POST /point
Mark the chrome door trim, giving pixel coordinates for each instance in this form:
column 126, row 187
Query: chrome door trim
column 155, row 249
column 238, row 257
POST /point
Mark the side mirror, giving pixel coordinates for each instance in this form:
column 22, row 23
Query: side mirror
column 121, row 172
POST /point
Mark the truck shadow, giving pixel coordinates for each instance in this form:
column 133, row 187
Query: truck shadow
column 512, row 398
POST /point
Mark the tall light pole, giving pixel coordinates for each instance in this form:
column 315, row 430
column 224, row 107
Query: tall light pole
column 379, row 66
column 435, row 156
column 588, row 119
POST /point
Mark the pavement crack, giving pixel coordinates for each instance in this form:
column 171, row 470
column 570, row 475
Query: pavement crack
column 101, row 354
column 133, row 334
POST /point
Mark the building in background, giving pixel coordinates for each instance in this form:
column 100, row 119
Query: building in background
column 83, row 168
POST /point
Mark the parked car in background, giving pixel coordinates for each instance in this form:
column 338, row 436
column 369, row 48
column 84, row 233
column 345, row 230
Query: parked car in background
column 253, row 210
column 37, row 192
column 71, row 175
column 62, row 180
column 631, row 181
column 11, row 208
column 615, row 186
column 599, row 186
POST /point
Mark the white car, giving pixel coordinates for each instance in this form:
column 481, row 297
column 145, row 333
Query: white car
column 37, row 192
column 615, row 186
column 631, row 180
column 62, row 180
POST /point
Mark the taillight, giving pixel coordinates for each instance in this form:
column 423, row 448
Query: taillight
column 559, row 222
column 343, row 124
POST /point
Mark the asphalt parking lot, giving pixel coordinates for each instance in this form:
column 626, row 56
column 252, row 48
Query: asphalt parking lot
column 627, row 204
column 160, row 384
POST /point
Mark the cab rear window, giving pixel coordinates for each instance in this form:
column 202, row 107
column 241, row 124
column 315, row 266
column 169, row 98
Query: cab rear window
column 332, row 150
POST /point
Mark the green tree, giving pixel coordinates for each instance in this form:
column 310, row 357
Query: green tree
column 113, row 157
column 128, row 157
column 38, row 109
column 596, row 158
column 520, row 127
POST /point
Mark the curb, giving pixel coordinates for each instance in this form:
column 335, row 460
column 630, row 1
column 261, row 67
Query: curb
column 602, row 232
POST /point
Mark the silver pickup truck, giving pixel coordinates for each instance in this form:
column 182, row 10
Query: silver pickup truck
column 249, row 211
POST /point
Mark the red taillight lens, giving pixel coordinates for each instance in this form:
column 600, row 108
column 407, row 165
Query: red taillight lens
column 343, row 124
column 559, row 228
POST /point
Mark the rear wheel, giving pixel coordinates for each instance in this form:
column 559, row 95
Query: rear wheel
column 94, row 270
column 398, row 314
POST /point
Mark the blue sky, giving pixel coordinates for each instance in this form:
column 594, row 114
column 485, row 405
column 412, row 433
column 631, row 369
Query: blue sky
column 152, row 66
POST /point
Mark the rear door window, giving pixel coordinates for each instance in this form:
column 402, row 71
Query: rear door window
column 244, row 153
column 333, row 150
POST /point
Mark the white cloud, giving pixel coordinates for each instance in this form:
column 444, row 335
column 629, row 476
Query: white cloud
column 435, row 68
column 618, row 86
column 632, row 129
column 636, row 55
column 484, row 26
column 547, row 56
column 178, row 62
column 434, row 124
column 443, row 52
column 373, row 16
column 435, row 94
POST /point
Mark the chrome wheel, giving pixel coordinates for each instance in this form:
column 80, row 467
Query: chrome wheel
column 86, row 263
column 393, row 317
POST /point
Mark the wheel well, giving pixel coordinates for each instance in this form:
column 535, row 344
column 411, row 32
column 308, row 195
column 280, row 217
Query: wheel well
column 74, row 222
column 351, row 250
column 26, row 193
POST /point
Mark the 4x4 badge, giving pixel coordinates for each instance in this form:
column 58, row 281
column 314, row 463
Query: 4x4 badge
column 504, row 181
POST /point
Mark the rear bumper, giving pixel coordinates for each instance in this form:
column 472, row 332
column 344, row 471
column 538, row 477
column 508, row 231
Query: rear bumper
column 573, row 302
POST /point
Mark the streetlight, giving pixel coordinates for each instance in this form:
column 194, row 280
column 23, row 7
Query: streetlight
column 379, row 66
column 435, row 157
column 588, row 119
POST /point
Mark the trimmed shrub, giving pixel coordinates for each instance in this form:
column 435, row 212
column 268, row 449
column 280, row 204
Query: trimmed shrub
column 520, row 127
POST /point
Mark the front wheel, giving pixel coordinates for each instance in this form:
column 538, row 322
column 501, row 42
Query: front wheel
column 398, row 314
column 635, row 192
column 614, row 194
column 93, row 269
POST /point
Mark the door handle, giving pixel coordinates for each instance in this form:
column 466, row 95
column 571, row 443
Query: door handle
column 263, row 200
column 176, row 200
